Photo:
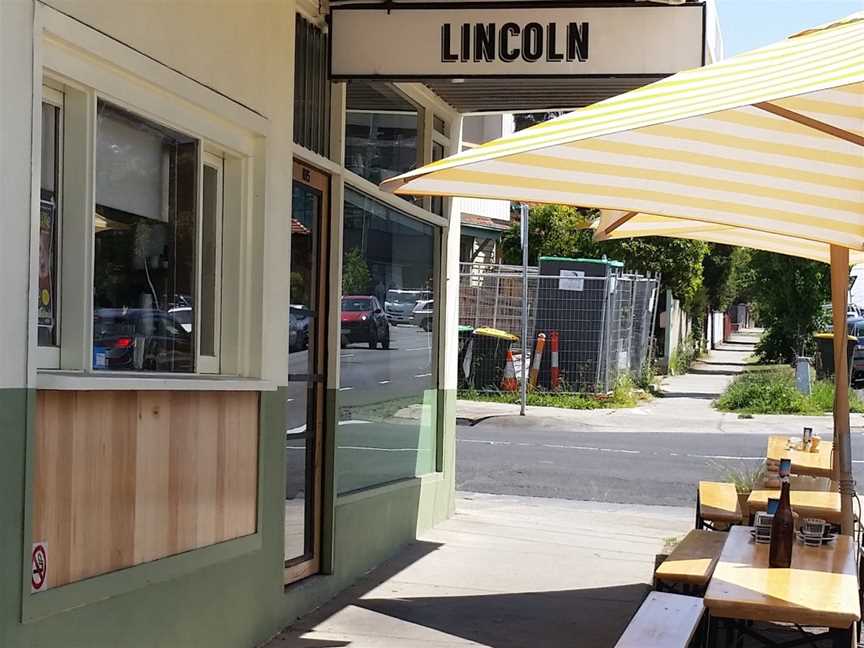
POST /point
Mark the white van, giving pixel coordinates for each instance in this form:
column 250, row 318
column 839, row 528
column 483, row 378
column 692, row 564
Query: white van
column 856, row 285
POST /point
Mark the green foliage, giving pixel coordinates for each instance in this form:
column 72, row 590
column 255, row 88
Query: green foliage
column 788, row 294
column 556, row 230
column 355, row 273
column 724, row 268
column 683, row 356
column 624, row 394
column 774, row 392
column 746, row 477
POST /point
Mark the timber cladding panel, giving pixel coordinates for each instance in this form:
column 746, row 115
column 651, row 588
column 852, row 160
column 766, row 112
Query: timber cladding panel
column 125, row 477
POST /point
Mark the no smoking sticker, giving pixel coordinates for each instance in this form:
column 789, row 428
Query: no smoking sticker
column 39, row 571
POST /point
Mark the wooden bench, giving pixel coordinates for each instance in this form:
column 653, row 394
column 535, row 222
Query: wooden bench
column 717, row 503
column 663, row 621
column 692, row 562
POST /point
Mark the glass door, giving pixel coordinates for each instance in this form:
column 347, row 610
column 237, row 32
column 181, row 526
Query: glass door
column 304, row 404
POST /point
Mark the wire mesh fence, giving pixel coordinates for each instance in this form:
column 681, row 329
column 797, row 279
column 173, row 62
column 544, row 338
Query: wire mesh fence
column 586, row 332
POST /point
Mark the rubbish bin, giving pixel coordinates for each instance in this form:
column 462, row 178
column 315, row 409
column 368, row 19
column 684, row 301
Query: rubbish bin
column 825, row 350
column 464, row 368
column 489, row 356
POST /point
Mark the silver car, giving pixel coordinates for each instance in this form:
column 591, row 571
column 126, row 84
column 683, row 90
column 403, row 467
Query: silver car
column 399, row 305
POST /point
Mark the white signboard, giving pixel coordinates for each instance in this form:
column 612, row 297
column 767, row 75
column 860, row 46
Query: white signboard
column 456, row 40
column 571, row 280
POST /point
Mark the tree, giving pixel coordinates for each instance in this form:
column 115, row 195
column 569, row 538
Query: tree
column 556, row 230
column 355, row 273
column 788, row 294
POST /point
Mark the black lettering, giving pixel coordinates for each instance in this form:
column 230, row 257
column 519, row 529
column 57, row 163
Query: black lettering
column 552, row 54
column 446, row 55
column 466, row 42
column 484, row 42
column 504, row 52
column 532, row 42
column 577, row 42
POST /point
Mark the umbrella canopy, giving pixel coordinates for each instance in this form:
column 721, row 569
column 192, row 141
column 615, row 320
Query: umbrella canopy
column 608, row 228
column 769, row 141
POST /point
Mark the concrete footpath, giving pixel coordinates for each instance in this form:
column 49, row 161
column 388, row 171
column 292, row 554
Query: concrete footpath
column 685, row 404
column 506, row 572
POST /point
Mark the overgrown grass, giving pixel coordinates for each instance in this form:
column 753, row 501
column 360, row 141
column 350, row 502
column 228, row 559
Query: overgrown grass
column 625, row 394
column 774, row 392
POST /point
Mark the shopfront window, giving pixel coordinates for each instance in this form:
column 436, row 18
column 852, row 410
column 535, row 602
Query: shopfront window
column 388, row 386
column 49, row 212
column 144, row 245
column 381, row 128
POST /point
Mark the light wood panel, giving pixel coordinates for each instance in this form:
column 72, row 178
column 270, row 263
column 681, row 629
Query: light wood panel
column 718, row 502
column 123, row 477
column 807, row 504
column 820, row 588
column 663, row 621
column 692, row 562
column 815, row 464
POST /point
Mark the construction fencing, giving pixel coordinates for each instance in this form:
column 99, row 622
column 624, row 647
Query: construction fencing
column 585, row 332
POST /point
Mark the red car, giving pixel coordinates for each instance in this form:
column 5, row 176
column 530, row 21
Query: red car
column 363, row 320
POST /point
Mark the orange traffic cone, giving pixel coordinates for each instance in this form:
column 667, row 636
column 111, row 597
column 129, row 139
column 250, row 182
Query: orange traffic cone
column 509, row 382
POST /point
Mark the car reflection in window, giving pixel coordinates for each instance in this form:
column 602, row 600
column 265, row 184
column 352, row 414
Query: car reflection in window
column 140, row 339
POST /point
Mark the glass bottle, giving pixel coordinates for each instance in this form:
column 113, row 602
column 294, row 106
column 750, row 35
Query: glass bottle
column 782, row 530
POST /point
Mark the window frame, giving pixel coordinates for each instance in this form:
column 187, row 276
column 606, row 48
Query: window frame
column 48, row 356
column 66, row 365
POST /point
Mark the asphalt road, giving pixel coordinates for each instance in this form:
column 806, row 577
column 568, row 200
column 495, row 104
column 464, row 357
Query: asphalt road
column 380, row 378
column 626, row 467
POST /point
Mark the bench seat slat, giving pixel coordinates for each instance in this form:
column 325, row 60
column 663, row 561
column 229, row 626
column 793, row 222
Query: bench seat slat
column 663, row 621
column 693, row 561
column 718, row 502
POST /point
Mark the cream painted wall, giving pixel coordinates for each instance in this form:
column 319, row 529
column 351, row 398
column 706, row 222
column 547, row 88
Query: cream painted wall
column 16, row 110
column 242, row 49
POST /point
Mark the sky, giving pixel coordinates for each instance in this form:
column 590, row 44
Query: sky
column 748, row 24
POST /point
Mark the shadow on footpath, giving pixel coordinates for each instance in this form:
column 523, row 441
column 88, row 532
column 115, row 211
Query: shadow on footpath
column 583, row 618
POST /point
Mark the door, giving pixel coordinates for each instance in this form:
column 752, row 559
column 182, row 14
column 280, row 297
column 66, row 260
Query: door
column 307, row 364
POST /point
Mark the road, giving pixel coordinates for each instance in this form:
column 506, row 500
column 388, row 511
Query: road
column 390, row 378
column 625, row 467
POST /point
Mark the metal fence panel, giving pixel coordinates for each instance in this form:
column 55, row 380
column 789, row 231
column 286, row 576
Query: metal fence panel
column 598, row 329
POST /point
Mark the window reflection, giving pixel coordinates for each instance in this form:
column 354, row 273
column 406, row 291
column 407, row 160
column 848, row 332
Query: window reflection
column 144, row 250
column 48, row 212
column 388, row 389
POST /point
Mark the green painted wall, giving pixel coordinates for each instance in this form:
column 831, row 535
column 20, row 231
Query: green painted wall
column 234, row 603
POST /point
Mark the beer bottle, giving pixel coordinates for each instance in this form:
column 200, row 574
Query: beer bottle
column 783, row 527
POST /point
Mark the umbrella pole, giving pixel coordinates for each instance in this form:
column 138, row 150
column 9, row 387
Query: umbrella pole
column 842, row 444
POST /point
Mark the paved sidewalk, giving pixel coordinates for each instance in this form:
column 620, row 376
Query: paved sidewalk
column 505, row 572
column 684, row 407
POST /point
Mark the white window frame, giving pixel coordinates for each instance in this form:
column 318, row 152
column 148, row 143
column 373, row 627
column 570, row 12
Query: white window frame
column 90, row 67
column 210, row 364
column 49, row 355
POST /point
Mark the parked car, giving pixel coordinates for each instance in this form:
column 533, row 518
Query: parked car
column 299, row 320
column 423, row 314
column 363, row 320
column 183, row 315
column 856, row 329
column 399, row 304
column 140, row 339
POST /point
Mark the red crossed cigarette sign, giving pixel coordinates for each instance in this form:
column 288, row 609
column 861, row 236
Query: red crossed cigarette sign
column 39, row 573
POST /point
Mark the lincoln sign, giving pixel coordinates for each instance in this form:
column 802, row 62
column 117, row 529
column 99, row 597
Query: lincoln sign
column 423, row 41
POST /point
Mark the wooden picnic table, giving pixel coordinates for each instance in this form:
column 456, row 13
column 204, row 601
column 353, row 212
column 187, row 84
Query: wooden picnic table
column 819, row 590
column 815, row 464
column 807, row 504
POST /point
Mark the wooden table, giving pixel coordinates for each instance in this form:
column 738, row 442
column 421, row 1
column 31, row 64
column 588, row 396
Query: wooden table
column 820, row 589
column 807, row 504
column 815, row 464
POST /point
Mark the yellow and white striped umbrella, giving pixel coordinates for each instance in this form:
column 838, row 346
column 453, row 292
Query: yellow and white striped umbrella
column 770, row 140
column 609, row 227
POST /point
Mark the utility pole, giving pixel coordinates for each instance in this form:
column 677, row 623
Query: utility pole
column 524, row 386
